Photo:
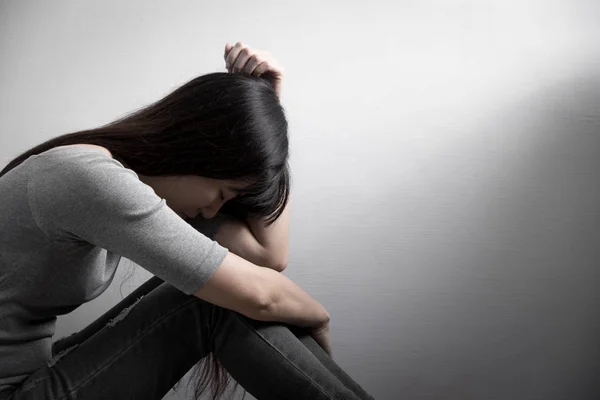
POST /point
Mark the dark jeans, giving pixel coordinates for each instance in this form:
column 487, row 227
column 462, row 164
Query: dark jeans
column 145, row 344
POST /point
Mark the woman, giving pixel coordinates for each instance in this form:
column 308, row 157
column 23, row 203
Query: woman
column 72, row 206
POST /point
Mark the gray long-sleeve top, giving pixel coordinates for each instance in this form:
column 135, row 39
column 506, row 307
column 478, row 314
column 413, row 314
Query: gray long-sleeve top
column 67, row 216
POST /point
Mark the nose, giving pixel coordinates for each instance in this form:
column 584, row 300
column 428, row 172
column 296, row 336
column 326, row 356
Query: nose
column 212, row 210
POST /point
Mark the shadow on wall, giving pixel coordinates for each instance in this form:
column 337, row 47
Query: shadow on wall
column 483, row 284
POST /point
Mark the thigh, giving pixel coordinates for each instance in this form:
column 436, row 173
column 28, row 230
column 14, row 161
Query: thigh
column 120, row 308
column 139, row 354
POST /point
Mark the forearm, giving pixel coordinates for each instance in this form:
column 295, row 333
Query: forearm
column 274, row 238
column 289, row 303
column 239, row 239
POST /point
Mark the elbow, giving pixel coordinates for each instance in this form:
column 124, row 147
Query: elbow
column 276, row 262
column 280, row 264
column 266, row 297
column 280, row 267
column 262, row 309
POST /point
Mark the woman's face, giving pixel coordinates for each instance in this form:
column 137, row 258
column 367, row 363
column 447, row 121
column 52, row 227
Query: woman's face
column 190, row 195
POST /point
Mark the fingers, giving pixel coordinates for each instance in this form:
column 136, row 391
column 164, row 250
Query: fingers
column 231, row 53
column 251, row 65
column 241, row 58
column 238, row 57
column 228, row 47
column 259, row 63
column 261, row 69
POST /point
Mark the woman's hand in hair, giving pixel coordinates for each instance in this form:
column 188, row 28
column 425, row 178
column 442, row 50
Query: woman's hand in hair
column 242, row 58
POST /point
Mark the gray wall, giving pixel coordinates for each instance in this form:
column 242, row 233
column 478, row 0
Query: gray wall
column 445, row 163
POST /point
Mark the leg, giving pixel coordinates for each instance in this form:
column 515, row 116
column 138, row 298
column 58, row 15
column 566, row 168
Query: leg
column 153, row 282
column 328, row 362
column 129, row 301
column 136, row 353
column 162, row 336
column 286, row 347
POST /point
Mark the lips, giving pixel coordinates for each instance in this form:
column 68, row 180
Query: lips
column 185, row 215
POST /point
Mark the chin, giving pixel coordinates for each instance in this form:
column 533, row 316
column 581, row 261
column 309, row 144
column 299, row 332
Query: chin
column 182, row 215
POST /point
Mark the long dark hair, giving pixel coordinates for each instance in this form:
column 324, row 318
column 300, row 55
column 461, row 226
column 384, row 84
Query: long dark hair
column 219, row 125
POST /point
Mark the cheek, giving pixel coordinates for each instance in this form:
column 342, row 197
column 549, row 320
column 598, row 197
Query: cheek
column 201, row 199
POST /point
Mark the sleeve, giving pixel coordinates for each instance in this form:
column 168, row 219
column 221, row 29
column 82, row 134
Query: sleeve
column 96, row 199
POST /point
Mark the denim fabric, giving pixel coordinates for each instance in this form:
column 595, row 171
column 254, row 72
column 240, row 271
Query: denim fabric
column 145, row 344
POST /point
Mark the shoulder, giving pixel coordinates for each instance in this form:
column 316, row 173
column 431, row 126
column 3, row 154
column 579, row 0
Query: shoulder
column 76, row 178
column 76, row 156
column 79, row 166
column 89, row 146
